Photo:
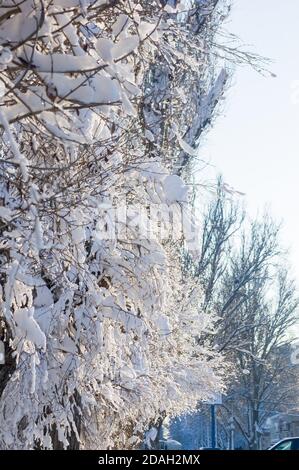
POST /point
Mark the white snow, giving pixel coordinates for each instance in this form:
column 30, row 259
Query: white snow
column 104, row 47
column 163, row 324
column 29, row 328
column 18, row 157
column 121, row 24
column 125, row 46
column 150, row 436
column 187, row 148
column 5, row 213
column 60, row 63
column 175, row 189
column 44, row 296
column 145, row 29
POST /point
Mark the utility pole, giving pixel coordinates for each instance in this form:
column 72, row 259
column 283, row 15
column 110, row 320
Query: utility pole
column 213, row 427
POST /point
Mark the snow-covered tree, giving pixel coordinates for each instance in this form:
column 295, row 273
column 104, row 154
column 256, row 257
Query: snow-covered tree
column 102, row 104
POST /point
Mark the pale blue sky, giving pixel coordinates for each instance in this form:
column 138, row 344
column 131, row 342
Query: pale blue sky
column 256, row 143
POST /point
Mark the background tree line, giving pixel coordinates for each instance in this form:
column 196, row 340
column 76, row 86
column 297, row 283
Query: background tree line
column 247, row 282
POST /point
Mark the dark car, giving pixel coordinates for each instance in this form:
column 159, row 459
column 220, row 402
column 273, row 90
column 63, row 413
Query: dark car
column 289, row 443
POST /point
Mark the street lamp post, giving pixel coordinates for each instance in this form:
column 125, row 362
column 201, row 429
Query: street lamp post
column 231, row 433
column 216, row 399
column 213, row 426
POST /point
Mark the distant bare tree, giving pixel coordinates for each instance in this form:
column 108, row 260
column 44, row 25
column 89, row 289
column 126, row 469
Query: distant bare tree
column 266, row 379
column 222, row 219
column 249, row 264
column 245, row 278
